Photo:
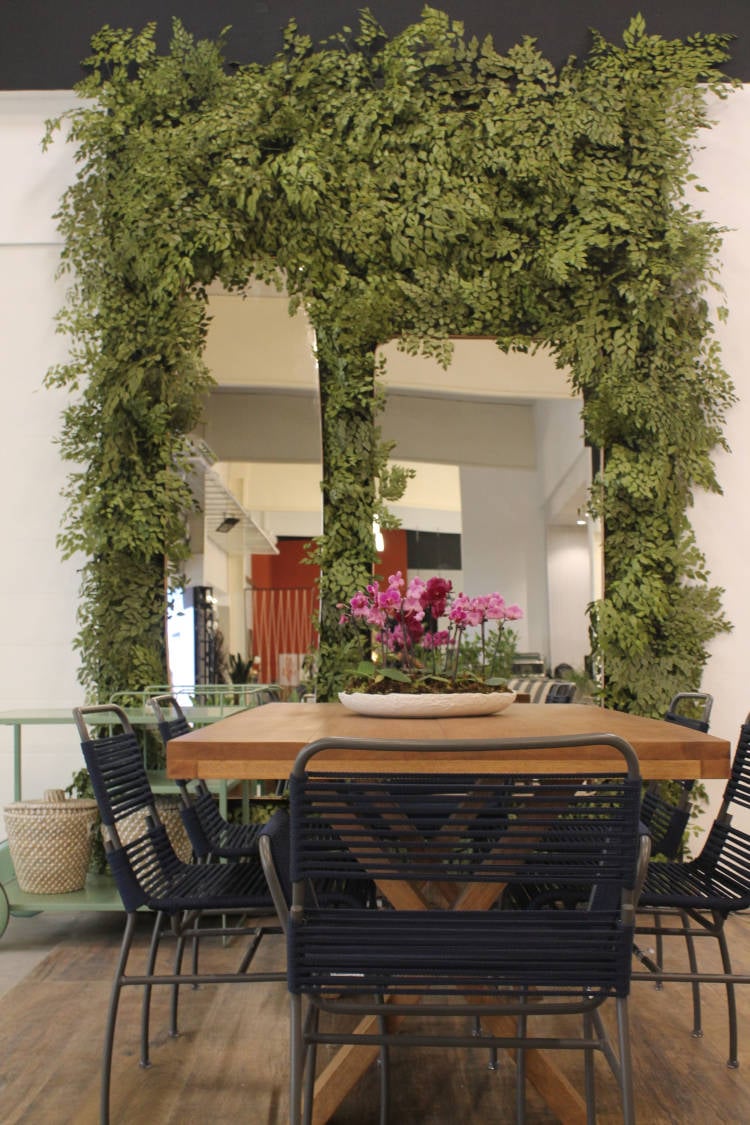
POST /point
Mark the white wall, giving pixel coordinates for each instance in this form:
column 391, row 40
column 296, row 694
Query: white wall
column 560, row 454
column 569, row 589
column 503, row 546
column 39, row 591
column 564, row 480
column 720, row 522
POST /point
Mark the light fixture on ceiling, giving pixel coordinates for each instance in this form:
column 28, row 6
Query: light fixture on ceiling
column 376, row 530
column 228, row 523
column 581, row 517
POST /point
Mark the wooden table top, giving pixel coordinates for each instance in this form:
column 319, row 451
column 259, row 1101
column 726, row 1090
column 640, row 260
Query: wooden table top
column 263, row 742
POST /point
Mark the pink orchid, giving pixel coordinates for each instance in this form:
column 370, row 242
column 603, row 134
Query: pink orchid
column 495, row 610
column 416, row 587
column 375, row 618
column 459, row 611
column 359, row 605
column 404, row 616
column 440, row 639
column 390, row 598
column 435, row 596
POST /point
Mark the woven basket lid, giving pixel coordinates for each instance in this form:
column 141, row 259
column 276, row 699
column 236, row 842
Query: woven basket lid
column 75, row 804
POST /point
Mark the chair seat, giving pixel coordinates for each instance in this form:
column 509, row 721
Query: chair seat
column 566, row 951
column 684, row 885
column 186, row 886
column 226, row 839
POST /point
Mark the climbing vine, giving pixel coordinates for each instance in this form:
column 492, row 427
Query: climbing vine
column 416, row 187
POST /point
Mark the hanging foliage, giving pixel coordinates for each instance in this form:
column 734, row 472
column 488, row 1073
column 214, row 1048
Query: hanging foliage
column 415, row 187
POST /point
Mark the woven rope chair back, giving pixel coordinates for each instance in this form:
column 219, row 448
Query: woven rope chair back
column 142, row 858
column 737, row 791
column 402, row 828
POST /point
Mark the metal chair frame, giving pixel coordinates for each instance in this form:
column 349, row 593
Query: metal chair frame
column 456, row 834
column 148, row 874
column 667, row 820
column 211, row 835
column 698, row 895
column 561, row 691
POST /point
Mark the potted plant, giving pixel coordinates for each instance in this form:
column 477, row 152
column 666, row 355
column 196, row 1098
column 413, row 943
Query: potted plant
column 415, row 653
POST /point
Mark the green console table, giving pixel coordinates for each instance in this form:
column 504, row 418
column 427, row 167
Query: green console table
column 99, row 892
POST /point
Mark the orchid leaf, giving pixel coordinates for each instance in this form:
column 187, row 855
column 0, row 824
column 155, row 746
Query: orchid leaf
column 395, row 674
column 366, row 668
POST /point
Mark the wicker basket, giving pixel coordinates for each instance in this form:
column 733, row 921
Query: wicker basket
column 168, row 808
column 50, row 842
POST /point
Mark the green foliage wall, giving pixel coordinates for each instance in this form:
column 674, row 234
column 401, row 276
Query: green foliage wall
column 416, row 187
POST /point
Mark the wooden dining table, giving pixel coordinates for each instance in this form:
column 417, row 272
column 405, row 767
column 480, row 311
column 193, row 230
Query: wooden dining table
column 262, row 743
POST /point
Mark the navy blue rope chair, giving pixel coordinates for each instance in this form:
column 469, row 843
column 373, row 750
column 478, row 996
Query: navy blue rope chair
column 698, row 895
column 691, row 709
column 267, row 695
column 667, row 818
column 441, row 848
column 149, row 875
column 211, row 835
column 666, row 814
column 561, row 692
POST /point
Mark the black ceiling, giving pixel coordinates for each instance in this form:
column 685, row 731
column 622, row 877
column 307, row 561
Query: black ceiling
column 43, row 42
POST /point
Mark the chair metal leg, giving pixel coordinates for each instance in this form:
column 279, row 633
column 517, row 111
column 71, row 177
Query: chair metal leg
column 521, row 1073
column 588, row 1064
column 174, row 1000
column 296, row 1060
column 383, row 1063
column 109, row 1031
column 477, row 1032
column 659, row 946
column 252, row 949
column 697, row 1031
column 733, row 1060
column 145, row 1061
column 309, row 1062
column 626, row 1068
column 195, row 952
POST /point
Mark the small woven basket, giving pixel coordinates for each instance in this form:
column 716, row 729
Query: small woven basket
column 50, row 842
column 168, row 808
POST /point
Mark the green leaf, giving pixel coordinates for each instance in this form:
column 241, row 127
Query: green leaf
column 416, row 188
column 388, row 673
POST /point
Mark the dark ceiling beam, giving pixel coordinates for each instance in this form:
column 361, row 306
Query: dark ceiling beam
column 43, row 43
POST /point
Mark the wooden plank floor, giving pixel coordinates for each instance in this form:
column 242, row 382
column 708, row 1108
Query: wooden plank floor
column 230, row 1062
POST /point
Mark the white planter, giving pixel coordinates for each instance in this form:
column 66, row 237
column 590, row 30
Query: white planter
column 397, row 706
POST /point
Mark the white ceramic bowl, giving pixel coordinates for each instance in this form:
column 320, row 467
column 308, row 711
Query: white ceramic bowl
column 397, row 706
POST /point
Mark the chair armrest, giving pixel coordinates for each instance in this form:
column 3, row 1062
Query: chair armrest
column 644, row 856
column 273, row 848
